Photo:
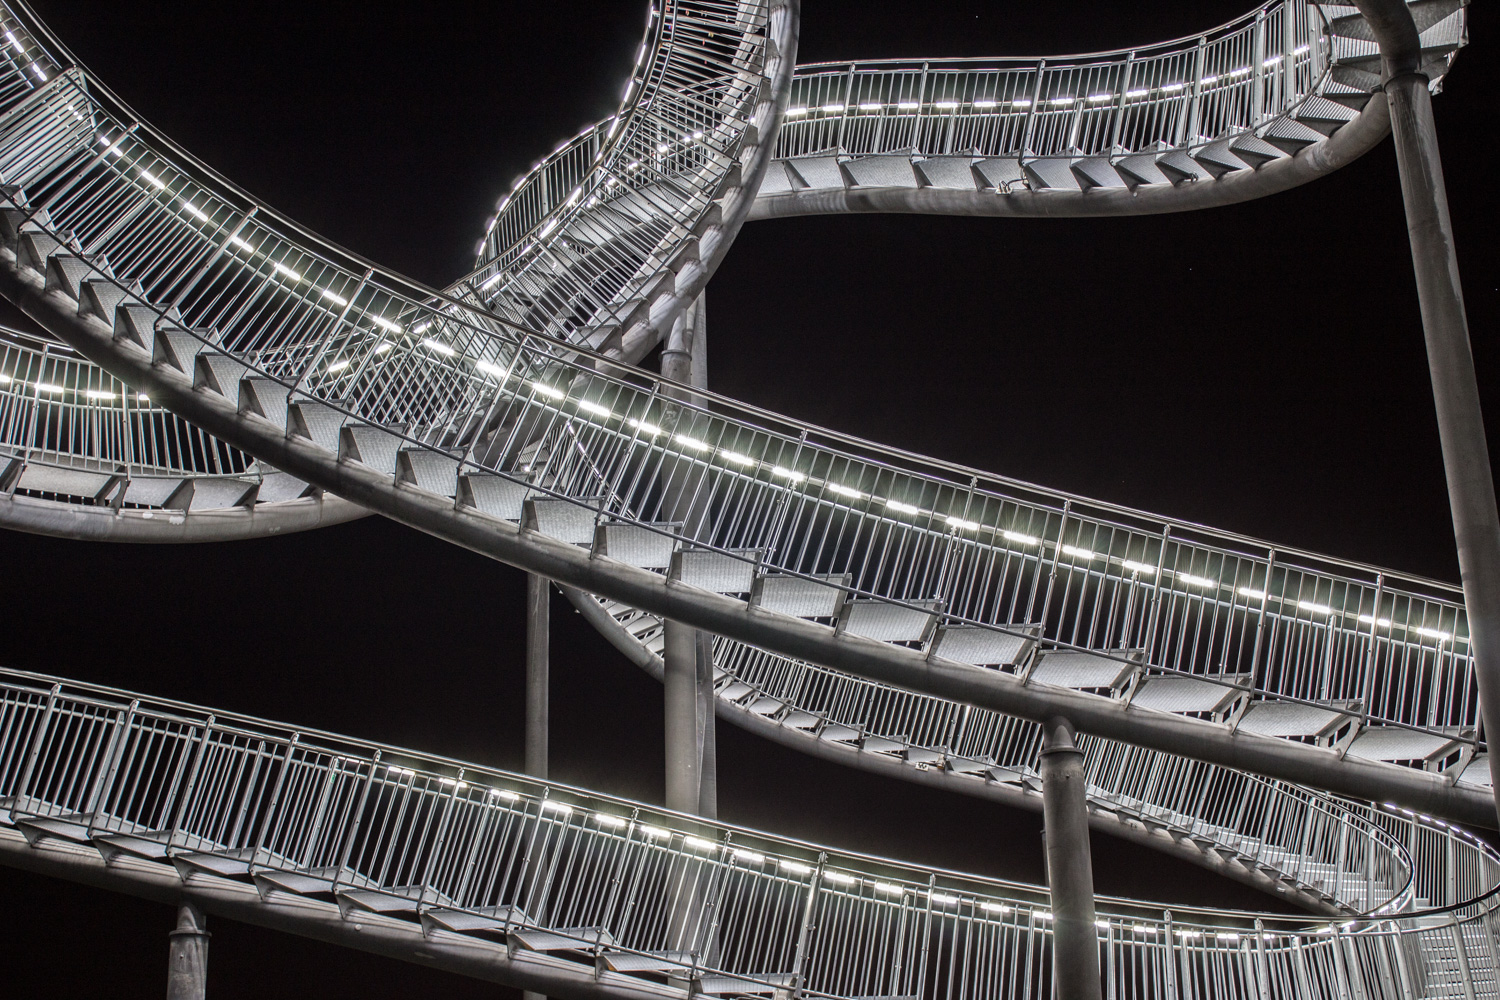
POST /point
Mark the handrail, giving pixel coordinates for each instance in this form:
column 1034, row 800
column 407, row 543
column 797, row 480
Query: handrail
column 369, row 822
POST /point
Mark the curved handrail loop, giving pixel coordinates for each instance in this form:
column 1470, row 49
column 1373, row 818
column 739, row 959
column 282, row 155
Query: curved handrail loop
column 82, row 456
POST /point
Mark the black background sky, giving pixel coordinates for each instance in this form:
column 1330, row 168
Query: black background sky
column 1258, row 368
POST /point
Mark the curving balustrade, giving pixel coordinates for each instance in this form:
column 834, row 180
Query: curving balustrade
column 153, row 266
column 1325, row 854
column 951, row 135
column 635, row 896
column 82, row 454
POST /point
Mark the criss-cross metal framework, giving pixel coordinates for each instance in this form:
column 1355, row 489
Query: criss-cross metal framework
column 918, row 616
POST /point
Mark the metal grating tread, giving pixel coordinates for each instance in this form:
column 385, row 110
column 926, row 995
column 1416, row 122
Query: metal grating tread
column 638, row 544
column 563, row 520
column 1393, row 743
column 888, row 622
column 800, row 597
column 984, row 647
column 719, row 572
column 1188, row 694
column 1279, row 718
column 1080, row 670
column 493, row 495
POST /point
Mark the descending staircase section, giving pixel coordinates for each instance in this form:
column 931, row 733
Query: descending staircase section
column 815, row 545
column 612, row 239
column 313, row 833
column 1323, row 853
column 81, row 455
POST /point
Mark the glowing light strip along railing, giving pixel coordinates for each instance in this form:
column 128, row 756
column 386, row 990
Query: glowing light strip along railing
column 951, row 106
column 995, row 552
column 59, row 409
column 1182, row 93
column 452, row 836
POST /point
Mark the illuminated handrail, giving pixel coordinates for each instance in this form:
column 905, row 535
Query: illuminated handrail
column 707, row 898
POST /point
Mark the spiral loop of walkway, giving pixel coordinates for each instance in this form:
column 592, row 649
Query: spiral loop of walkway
column 553, row 888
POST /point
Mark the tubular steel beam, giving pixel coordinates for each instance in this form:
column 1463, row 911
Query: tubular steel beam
column 1070, row 868
column 1455, row 388
column 538, row 634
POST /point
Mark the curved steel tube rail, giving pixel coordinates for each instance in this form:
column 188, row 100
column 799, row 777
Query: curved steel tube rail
column 82, row 456
column 402, row 399
column 540, row 885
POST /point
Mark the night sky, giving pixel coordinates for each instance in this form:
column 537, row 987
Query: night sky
column 1257, row 368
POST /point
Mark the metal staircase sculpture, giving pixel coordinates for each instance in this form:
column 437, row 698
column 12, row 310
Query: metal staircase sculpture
column 501, row 397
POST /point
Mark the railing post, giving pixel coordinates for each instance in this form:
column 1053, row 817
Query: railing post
column 356, row 823
column 106, row 779
column 1114, row 132
column 192, row 781
column 21, row 797
column 1262, row 971
column 1036, row 100
column 804, row 935
column 1462, row 951
column 1258, row 70
column 1187, row 128
column 1169, row 955
column 271, row 801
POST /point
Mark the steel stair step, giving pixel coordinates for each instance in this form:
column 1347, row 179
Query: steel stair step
column 484, row 918
column 648, row 546
column 1278, row 718
column 761, row 983
column 563, row 520
column 1086, row 671
column 821, row 597
column 373, row 447
column 1187, row 695
column 220, row 373
column 718, row 572
column 318, row 422
column 656, row 961
column 428, row 470
column 1391, row 743
column 563, row 939
column 494, row 495
column 176, row 348
column 886, row 622
column 67, row 272
column 100, row 297
column 984, row 647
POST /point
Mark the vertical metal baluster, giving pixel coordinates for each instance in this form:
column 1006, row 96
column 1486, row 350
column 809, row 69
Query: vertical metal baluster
column 192, row 781
column 1119, row 123
column 804, row 935
column 274, row 799
column 1258, row 71
column 354, row 826
column 1036, row 100
column 106, row 778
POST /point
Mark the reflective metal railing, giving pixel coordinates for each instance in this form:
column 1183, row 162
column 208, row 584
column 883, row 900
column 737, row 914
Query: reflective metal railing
column 402, row 833
column 63, row 411
column 781, row 496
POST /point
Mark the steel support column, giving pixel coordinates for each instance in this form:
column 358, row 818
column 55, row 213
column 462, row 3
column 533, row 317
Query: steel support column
column 687, row 655
column 187, row 970
column 538, row 640
column 1455, row 388
column 1070, row 873
column 538, row 631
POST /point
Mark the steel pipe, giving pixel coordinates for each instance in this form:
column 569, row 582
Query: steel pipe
column 1070, row 868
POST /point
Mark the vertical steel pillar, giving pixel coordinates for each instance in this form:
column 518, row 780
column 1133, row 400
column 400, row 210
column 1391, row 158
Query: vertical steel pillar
column 187, row 969
column 538, row 640
column 1070, row 873
column 686, row 655
column 538, row 594
column 1455, row 389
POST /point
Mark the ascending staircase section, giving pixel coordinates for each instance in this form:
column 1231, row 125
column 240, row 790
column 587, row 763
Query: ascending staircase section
column 553, row 888
column 83, row 456
column 1271, row 100
column 809, row 543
